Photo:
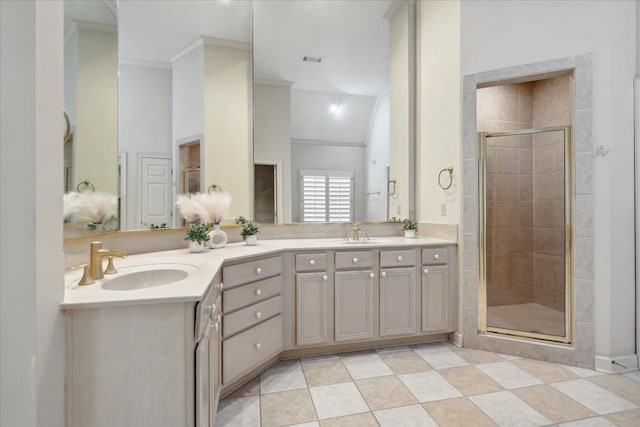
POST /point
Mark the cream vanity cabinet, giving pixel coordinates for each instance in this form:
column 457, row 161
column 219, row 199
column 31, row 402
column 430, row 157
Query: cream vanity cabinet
column 355, row 296
column 252, row 317
column 313, row 306
column 146, row 365
column 438, row 289
column 399, row 293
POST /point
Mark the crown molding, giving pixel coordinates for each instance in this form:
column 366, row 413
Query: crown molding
column 280, row 83
column 395, row 6
column 94, row 26
column 145, row 64
column 230, row 44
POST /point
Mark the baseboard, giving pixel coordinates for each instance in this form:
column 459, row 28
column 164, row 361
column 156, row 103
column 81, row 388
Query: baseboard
column 616, row 364
column 456, row 338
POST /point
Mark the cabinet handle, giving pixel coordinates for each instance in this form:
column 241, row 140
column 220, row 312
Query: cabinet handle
column 312, row 262
column 425, row 271
column 325, row 277
column 258, row 270
column 258, row 292
column 258, row 315
column 258, row 346
column 216, row 326
column 383, row 274
column 218, row 318
column 355, row 260
column 209, row 309
column 372, row 275
column 219, row 286
column 436, row 257
column 399, row 258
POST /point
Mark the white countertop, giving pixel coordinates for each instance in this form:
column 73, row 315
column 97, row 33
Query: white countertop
column 208, row 263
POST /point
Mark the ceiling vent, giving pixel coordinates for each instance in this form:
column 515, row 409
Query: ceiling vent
column 316, row 59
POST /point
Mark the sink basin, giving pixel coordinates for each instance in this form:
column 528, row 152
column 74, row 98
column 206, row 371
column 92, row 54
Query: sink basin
column 363, row 242
column 147, row 276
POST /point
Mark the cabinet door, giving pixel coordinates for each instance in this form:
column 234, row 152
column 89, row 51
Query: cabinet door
column 203, row 379
column 398, row 300
column 312, row 308
column 354, row 317
column 435, row 300
column 214, row 366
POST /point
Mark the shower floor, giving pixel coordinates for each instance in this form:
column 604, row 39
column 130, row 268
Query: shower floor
column 529, row 317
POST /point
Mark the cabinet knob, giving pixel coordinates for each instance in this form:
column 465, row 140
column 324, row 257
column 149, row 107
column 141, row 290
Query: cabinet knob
column 436, row 257
column 425, row 271
column 325, row 277
column 258, row 346
column 218, row 318
column 258, row 270
column 383, row 274
column 355, row 260
column 312, row 262
column 258, row 315
column 219, row 286
column 372, row 275
column 258, row 292
column 399, row 258
column 216, row 326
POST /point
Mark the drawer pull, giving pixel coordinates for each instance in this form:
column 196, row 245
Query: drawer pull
column 312, row 262
column 258, row 346
column 218, row 318
column 219, row 286
column 325, row 277
column 436, row 257
column 399, row 258
column 372, row 275
column 425, row 271
column 216, row 326
column 383, row 274
column 258, row 270
column 258, row 292
column 258, row 315
column 355, row 260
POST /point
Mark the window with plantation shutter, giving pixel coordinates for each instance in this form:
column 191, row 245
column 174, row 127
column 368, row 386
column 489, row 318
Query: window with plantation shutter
column 327, row 196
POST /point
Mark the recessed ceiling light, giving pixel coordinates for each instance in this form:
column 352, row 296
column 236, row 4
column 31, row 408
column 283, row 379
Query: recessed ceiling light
column 316, row 59
column 334, row 108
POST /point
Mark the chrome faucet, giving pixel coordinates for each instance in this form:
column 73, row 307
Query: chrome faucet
column 356, row 231
column 95, row 261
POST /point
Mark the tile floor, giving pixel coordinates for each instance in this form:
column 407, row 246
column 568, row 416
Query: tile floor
column 431, row 385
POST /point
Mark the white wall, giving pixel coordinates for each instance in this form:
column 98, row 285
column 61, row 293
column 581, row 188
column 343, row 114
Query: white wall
column 319, row 156
column 145, row 124
column 188, row 95
column 272, row 137
column 498, row 34
column 71, row 76
column 31, row 262
column 439, row 110
column 376, row 162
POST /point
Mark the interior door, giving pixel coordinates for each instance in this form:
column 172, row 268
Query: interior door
column 155, row 190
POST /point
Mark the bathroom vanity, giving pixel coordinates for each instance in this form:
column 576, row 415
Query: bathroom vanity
column 163, row 355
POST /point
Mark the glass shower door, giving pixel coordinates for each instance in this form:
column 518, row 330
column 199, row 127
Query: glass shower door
column 525, row 240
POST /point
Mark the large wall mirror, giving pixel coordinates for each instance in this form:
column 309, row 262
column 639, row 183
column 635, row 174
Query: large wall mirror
column 304, row 116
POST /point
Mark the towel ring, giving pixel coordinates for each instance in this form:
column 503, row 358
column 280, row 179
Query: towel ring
column 450, row 170
column 389, row 192
column 85, row 184
column 214, row 187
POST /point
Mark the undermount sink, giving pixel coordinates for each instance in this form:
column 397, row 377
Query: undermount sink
column 363, row 241
column 148, row 276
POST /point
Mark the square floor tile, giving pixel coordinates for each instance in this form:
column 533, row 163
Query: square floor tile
column 241, row 412
column 286, row 375
column 252, row 388
column 403, row 362
column 508, row 375
column 624, row 387
column 635, row 375
column 385, row 392
column 625, row 418
column 323, row 372
column 337, row 400
column 286, row 407
column 509, row 411
column 589, row 422
column 392, row 349
column 508, row 356
column 554, row 405
column 414, row 415
column 440, row 357
column 476, row 357
column 583, row 372
column 469, row 380
column 309, row 359
column 367, row 365
column 545, row 371
column 593, row 397
column 360, row 420
column 429, row 386
column 311, row 424
column 459, row 412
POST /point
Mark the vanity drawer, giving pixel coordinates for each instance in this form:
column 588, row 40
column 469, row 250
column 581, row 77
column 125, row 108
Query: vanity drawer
column 406, row 258
column 243, row 296
column 250, row 348
column 354, row 259
column 249, row 316
column 248, row 272
column 311, row 262
column 435, row 256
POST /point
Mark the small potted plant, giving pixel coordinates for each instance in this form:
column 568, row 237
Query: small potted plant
column 410, row 227
column 249, row 230
column 197, row 235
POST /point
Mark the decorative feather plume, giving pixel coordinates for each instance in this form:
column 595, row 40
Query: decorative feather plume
column 72, row 203
column 215, row 205
column 189, row 208
column 100, row 207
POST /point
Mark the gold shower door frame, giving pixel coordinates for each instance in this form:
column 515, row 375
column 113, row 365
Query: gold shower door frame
column 482, row 241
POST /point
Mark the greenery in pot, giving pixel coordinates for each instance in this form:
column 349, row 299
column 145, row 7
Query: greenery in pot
column 197, row 233
column 248, row 228
column 409, row 224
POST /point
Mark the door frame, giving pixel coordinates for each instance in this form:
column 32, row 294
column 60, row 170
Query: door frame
column 279, row 189
column 140, row 156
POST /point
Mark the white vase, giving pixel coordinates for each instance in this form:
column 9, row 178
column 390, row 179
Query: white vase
column 409, row 234
column 196, row 247
column 217, row 238
column 252, row 240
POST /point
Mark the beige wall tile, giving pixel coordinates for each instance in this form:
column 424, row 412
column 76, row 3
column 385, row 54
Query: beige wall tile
column 508, row 108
